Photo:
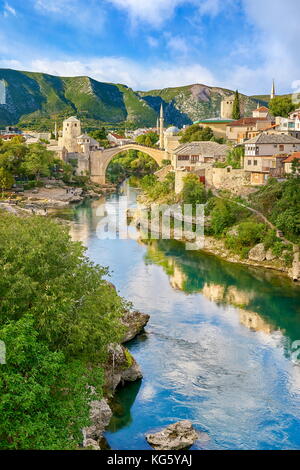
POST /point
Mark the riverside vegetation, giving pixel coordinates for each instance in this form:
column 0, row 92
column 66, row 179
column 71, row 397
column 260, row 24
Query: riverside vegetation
column 56, row 334
column 237, row 227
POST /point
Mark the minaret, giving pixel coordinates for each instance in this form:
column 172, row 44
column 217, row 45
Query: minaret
column 273, row 94
column 55, row 130
column 161, row 128
column 157, row 126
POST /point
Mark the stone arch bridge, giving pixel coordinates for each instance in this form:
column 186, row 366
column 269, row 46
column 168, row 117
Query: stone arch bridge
column 100, row 159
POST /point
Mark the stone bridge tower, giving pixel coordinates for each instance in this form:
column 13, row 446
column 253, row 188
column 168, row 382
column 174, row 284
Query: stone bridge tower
column 71, row 130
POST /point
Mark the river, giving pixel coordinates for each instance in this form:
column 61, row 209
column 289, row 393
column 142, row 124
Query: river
column 217, row 349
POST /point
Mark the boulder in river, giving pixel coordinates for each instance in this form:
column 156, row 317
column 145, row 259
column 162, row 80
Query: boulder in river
column 100, row 414
column 134, row 322
column 257, row 253
column 177, row 436
column 120, row 367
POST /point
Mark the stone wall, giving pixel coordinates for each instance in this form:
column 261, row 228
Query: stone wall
column 227, row 178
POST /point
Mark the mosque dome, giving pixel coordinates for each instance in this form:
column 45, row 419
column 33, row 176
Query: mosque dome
column 173, row 130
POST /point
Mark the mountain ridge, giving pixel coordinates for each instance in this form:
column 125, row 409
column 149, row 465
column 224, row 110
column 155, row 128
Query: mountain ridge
column 36, row 100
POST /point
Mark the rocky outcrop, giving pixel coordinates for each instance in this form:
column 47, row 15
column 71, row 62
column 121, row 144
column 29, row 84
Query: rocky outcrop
column 100, row 414
column 257, row 253
column 177, row 436
column 270, row 255
column 134, row 323
column 120, row 367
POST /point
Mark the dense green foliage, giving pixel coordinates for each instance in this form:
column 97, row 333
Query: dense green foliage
column 150, row 139
column 101, row 136
column 234, row 158
column 193, row 191
column 156, row 190
column 281, row 106
column 29, row 162
column 130, row 163
column 57, row 316
column 196, row 133
column 236, row 112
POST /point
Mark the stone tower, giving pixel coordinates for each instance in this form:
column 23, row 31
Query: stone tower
column 71, row 130
column 273, row 94
column 227, row 107
column 161, row 128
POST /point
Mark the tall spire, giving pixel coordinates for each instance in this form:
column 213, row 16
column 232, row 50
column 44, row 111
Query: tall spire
column 55, row 130
column 273, row 90
column 161, row 128
column 161, row 111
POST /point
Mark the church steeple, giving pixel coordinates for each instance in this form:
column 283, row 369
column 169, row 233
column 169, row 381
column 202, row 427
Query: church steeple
column 161, row 127
column 273, row 94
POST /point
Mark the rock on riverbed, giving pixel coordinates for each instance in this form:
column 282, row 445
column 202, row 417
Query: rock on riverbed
column 134, row 322
column 177, row 436
column 100, row 414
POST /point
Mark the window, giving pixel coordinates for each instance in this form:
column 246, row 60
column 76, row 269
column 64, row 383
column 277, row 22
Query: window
column 183, row 157
column 194, row 158
column 249, row 162
column 255, row 162
column 275, row 145
column 281, row 148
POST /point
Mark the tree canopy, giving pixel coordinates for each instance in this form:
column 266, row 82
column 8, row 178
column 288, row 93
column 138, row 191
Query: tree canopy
column 57, row 317
column 281, row 106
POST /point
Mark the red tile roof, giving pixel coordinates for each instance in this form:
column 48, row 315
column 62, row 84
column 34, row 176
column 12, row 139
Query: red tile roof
column 292, row 157
column 247, row 121
column 263, row 108
column 117, row 136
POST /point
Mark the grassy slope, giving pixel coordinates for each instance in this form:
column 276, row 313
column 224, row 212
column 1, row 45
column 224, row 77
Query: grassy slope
column 35, row 100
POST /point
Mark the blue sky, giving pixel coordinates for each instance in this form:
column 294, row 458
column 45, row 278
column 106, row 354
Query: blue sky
column 150, row 44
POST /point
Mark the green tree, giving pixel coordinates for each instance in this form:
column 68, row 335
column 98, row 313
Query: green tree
column 150, row 139
column 281, row 106
column 44, row 402
column 49, row 276
column 38, row 161
column 6, row 180
column 193, row 191
column 236, row 111
column 195, row 133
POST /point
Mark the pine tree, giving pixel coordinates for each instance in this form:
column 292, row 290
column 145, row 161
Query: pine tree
column 236, row 112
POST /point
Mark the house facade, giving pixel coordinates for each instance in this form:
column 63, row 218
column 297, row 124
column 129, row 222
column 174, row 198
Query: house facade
column 194, row 155
column 288, row 162
column 265, row 154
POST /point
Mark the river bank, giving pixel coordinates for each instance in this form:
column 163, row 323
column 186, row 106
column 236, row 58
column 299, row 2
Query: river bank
column 53, row 195
column 120, row 368
column 258, row 255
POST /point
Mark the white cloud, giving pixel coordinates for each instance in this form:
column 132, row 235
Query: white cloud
column 276, row 41
column 178, row 45
column 8, row 10
column 153, row 42
column 154, row 12
column 211, row 7
column 74, row 12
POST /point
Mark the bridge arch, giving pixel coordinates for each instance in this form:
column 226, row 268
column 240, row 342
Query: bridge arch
column 99, row 160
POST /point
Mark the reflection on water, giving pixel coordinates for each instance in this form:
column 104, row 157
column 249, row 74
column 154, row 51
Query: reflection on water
column 217, row 348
